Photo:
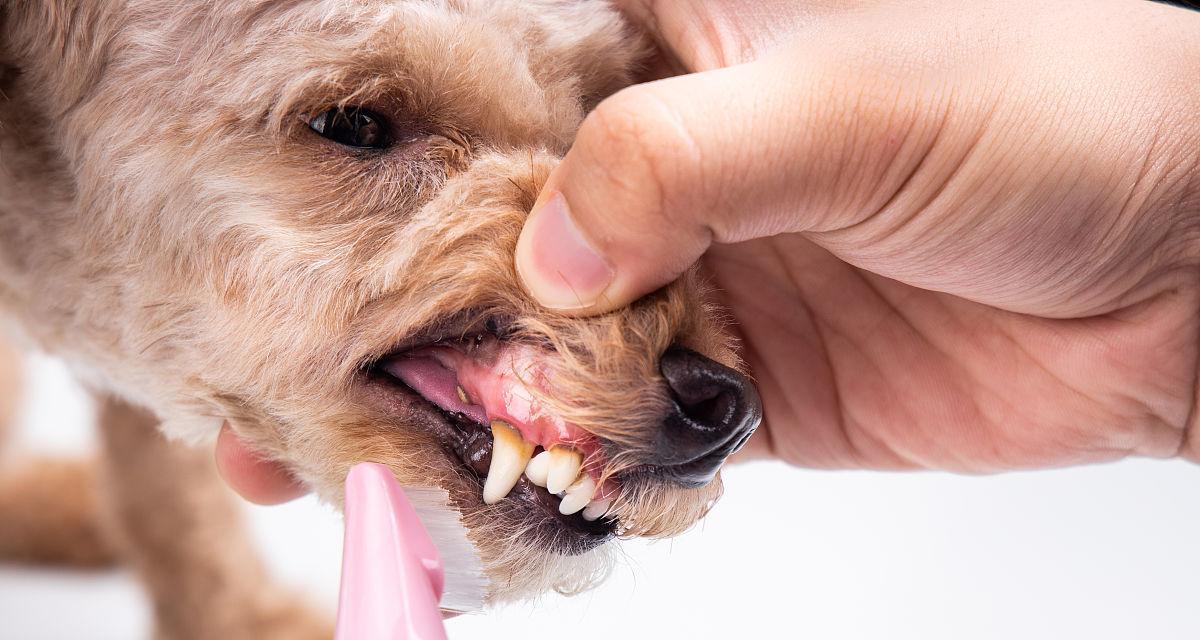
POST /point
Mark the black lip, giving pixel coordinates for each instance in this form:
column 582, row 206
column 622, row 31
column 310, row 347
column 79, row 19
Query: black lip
column 531, row 508
column 454, row 327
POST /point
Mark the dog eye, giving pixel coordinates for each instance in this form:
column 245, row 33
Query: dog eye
column 353, row 127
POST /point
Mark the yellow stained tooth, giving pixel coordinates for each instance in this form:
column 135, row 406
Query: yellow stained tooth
column 510, row 454
column 462, row 395
column 578, row 495
column 565, row 464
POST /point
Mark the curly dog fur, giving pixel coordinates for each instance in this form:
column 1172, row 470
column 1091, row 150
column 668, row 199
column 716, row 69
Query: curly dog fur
column 171, row 227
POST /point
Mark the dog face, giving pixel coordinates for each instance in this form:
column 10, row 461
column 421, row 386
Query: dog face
column 301, row 216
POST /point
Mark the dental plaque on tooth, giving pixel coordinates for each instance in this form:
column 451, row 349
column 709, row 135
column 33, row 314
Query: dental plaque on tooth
column 486, row 381
column 510, row 454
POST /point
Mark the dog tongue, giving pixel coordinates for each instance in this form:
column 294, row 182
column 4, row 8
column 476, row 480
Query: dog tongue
column 495, row 387
column 436, row 383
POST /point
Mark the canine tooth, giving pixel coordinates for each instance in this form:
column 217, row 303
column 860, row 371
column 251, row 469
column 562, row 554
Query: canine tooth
column 510, row 454
column 595, row 509
column 578, row 495
column 538, row 469
column 462, row 395
column 564, row 468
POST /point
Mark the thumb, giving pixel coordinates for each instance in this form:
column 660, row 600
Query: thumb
column 630, row 207
column 660, row 171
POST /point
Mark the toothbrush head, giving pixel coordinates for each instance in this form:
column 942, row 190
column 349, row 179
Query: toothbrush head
column 406, row 560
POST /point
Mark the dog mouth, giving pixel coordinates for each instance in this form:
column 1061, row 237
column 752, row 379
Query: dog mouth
column 479, row 391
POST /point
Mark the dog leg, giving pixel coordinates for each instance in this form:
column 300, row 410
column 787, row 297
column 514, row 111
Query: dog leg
column 10, row 390
column 49, row 514
column 48, row 508
column 181, row 532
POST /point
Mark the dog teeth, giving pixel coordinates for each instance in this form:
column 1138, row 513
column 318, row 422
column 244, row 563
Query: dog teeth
column 558, row 469
column 564, row 467
column 538, row 469
column 510, row 455
column 595, row 509
column 462, row 395
column 578, row 495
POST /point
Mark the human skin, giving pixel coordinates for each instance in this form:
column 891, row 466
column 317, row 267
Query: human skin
column 951, row 235
column 256, row 478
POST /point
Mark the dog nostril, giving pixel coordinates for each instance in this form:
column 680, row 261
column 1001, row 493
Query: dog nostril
column 715, row 410
column 704, row 401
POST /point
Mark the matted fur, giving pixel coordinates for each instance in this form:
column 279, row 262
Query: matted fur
column 171, row 227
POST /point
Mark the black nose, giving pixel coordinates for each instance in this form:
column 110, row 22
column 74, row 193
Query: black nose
column 715, row 410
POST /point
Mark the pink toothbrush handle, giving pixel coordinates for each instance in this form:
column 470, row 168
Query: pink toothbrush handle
column 392, row 577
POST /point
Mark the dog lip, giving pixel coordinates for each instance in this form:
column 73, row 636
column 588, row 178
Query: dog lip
column 494, row 379
column 449, row 328
column 468, row 442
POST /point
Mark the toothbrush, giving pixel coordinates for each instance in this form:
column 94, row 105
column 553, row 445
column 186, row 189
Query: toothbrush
column 395, row 583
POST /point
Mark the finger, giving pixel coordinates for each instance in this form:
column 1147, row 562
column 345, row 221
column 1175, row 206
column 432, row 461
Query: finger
column 252, row 476
column 708, row 34
column 637, row 199
column 660, row 171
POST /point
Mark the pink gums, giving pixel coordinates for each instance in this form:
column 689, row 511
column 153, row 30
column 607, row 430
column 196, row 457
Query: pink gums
column 497, row 388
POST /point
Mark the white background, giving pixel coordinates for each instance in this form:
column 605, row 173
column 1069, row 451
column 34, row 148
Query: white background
column 1100, row 552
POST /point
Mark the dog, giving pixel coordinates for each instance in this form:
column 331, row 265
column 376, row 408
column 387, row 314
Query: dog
column 298, row 217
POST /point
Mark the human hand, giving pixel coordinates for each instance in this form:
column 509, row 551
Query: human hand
column 250, row 474
column 953, row 235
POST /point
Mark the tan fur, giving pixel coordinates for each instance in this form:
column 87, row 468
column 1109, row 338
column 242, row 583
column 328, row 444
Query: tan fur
column 10, row 391
column 51, row 515
column 179, row 530
column 49, row 508
column 170, row 226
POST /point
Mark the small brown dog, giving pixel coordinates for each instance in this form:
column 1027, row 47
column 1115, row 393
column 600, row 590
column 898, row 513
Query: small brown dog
column 299, row 216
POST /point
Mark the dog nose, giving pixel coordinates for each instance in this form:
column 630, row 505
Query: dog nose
column 713, row 413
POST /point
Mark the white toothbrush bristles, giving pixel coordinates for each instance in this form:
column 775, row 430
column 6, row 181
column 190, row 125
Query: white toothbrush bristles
column 466, row 584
